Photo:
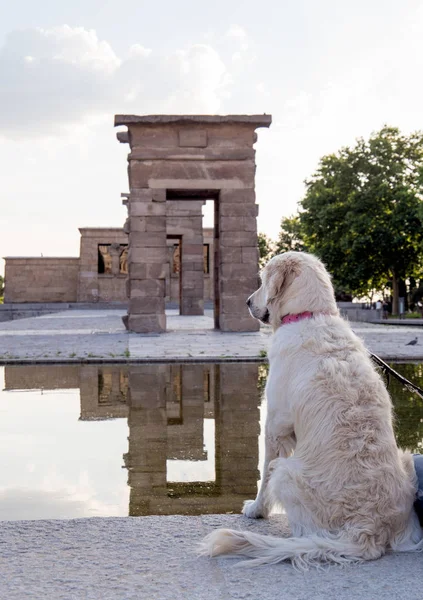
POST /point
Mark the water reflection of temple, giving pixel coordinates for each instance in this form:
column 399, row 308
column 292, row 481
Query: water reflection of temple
column 168, row 409
column 193, row 429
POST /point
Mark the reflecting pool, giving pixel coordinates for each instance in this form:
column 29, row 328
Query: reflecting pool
column 104, row 440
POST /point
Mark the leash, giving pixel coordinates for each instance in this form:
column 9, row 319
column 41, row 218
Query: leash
column 387, row 370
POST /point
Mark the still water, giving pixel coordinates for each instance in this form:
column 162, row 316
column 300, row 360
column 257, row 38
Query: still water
column 80, row 441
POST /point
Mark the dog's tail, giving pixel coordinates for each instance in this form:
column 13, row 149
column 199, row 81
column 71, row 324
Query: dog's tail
column 303, row 552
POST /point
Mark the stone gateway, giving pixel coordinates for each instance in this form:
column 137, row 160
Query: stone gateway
column 174, row 165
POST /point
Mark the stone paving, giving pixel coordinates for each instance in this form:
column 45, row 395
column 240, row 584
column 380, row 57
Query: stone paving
column 153, row 558
column 99, row 335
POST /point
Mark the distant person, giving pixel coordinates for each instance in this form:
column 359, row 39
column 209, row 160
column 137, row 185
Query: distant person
column 378, row 305
column 385, row 308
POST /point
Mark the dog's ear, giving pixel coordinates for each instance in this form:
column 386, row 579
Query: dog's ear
column 280, row 277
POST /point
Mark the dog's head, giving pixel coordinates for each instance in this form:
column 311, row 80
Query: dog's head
column 292, row 283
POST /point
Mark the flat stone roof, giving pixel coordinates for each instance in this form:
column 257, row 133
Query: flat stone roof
column 100, row 228
column 255, row 120
column 40, row 257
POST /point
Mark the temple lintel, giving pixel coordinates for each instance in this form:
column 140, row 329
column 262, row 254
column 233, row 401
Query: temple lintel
column 263, row 120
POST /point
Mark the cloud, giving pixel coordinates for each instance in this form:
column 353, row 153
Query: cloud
column 238, row 33
column 64, row 76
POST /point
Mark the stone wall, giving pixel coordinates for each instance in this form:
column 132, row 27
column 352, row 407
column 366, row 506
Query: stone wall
column 92, row 285
column 42, row 279
column 35, row 280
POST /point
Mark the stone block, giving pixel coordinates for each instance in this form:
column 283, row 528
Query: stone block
column 147, row 239
column 250, row 255
column 174, row 207
column 126, row 227
column 193, row 264
column 193, row 280
column 146, row 305
column 147, row 287
column 192, row 306
column 229, row 254
column 141, row 195
column 234, row 305
column 234, row 287
column 147, row 270
column 159, row 195
column 138, row 224
column 190, row 222
column 238, row 324
column 188, row 154
column 145, row 209
column 238, row 239
column 191, row 292
column 193, row 237
column 147, row 255
column 193, row 138
column 239, row 271
column 244, row 196
column 157, row 224
column 237, row 210
column 161, row 173
column 189, row 249
column 153, row 323
column 238, row 224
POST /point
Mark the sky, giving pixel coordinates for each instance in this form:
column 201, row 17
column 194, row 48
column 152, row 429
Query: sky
column 327, row 71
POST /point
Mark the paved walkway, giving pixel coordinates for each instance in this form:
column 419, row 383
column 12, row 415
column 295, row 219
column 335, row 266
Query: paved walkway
column 152, row 558
column 99, row 335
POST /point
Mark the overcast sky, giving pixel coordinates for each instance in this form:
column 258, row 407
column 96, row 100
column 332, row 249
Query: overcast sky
column 328, row 72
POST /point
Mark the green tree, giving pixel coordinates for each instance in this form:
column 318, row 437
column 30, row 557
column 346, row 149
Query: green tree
column 290, row 236
column 265, row 245
column 362, row 212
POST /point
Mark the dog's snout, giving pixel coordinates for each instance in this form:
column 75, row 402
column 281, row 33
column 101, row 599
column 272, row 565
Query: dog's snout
column 249, row 302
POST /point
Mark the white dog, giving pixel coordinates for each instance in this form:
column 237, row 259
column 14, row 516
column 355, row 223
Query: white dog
column 331, row 458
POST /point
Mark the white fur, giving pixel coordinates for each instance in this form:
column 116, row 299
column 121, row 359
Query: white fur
column 330, row 454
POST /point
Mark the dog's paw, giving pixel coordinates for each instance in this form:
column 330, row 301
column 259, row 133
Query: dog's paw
column 253, row 510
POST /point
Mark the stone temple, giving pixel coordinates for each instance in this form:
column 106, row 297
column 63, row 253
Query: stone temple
column 189, row 159
column 163, row 254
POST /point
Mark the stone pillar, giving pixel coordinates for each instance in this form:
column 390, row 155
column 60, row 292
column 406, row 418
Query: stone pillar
column 88, row 268
column 192, row 279
column 238, row 258
column 147, row 258
column 184, row 217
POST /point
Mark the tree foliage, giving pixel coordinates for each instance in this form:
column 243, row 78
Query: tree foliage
column 290, row 236
column 362, row 212
column 265, row 245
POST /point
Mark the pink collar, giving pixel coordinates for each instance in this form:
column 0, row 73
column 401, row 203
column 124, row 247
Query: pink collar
column 298, row 317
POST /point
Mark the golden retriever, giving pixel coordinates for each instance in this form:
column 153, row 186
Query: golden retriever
column 331, row 459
